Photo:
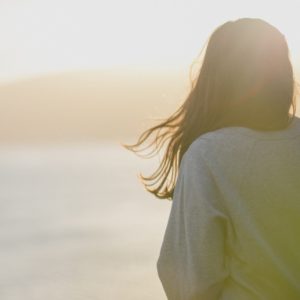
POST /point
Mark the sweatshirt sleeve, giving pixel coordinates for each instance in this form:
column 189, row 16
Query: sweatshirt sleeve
column 192, row 261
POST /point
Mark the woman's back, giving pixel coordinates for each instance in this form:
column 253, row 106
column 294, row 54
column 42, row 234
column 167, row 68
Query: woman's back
column 253, row 200
column 231, row 165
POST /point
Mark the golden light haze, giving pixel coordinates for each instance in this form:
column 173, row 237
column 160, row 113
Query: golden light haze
column 76, row 221
column 70, row 69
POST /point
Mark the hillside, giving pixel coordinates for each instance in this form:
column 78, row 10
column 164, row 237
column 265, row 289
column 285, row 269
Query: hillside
column 87, row 105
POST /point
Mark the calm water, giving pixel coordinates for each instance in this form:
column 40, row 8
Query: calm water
column 77, row 224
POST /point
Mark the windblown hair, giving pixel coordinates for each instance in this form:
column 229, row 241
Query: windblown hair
column 245, row 79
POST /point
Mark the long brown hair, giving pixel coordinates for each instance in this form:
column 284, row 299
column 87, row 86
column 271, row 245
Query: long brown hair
column 246, row 79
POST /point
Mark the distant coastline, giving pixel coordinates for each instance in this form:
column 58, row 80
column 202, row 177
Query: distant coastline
column 87, row 105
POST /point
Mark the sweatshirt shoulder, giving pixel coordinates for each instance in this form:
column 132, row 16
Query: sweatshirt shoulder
column 225, row 143
column 224, row 153
column 225, row 134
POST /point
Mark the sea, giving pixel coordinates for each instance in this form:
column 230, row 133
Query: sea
column 76, row 223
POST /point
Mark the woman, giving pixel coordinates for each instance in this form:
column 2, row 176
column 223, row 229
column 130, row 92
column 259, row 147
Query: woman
column 232, row 168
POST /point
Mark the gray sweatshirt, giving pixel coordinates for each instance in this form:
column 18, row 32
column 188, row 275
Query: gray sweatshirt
column 234, row 228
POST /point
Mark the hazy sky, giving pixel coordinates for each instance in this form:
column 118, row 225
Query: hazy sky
column 39, row 36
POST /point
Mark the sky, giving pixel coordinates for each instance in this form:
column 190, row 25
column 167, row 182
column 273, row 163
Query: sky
column 42, row 36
